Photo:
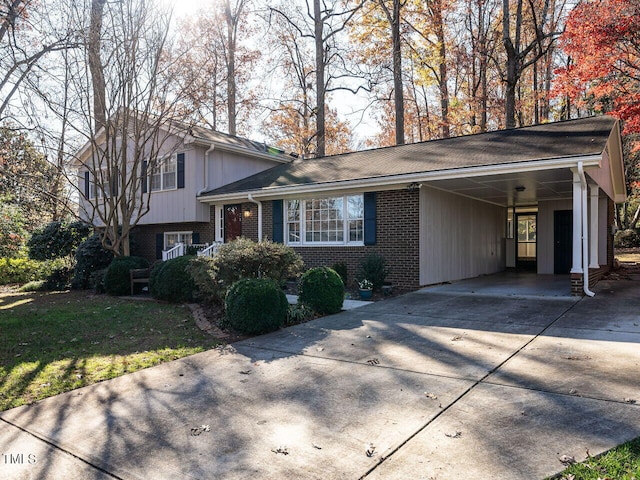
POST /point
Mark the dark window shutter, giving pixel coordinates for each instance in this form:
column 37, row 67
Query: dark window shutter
column 113, row 188
column 159, row 245
column 195, row 237
column 181, row 170
column 143, row 177
column 370, row 218
column 278, row 221
column 86, row 184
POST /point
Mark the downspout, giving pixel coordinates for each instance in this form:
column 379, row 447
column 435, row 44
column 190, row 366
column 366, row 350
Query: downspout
column 259, row 203
column 206, row 169
column 585, row 232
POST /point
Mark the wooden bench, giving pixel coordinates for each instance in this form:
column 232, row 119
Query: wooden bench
column 139, row 275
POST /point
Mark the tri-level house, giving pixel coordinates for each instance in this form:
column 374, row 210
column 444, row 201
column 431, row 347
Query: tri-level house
column 537, row 198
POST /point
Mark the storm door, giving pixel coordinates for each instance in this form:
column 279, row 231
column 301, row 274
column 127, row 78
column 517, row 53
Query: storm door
column 232, row 222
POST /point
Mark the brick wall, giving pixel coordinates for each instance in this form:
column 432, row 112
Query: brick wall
column 145, row 235
column 397, row 219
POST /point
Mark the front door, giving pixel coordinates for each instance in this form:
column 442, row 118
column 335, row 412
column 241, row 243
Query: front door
column 232, row 222
column 527, row 241
column 563, row 241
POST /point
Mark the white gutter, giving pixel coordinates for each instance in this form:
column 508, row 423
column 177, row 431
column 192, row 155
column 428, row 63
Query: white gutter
column 585, row 232
column 373, row 182
column 259, row 203
column 206, row 169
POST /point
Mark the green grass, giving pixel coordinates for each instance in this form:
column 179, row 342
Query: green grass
column 55, row 342
column 620, row 463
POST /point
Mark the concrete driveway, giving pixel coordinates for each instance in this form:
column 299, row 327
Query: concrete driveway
column 438, row 384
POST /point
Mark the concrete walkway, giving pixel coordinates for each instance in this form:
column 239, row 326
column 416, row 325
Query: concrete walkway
column 430, row 385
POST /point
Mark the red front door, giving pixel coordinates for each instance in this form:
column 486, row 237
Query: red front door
column 232, row 222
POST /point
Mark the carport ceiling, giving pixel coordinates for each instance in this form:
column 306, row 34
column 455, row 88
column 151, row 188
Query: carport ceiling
column 506, row 190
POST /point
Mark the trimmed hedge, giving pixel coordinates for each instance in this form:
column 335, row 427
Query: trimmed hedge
column 116, row 279
column 256, row 305
column 19, row 270
column 171, row 281
column 322, row 290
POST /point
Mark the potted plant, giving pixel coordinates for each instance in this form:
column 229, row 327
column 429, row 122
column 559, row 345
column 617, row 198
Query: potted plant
column 366, row 289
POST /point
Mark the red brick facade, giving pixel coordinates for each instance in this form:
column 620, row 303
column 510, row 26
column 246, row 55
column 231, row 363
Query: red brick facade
column 397, row 227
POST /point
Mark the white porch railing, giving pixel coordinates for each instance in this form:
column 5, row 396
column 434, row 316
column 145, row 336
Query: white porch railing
column 178, row 250
column 210, row 251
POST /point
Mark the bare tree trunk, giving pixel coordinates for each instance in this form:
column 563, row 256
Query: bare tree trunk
column 232, row 25
column 442, row 54
column 95, row 64
column 320, row 79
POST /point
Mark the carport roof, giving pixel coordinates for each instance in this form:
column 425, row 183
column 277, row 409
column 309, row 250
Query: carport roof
column 552, row 141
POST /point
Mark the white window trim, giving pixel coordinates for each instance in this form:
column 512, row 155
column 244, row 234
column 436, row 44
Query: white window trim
column 219, row 226
column 303, row 228
column 161, row 166
column 96, row 193
column 166, row 234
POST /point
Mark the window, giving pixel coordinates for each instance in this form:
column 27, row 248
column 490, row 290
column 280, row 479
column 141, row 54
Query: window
column 97, row 188
column 163, row 177
column 329, row 220
column 172, row 238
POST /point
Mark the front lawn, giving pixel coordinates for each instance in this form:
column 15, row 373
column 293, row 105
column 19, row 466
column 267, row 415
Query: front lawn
column 620, row 463
column 55, row 342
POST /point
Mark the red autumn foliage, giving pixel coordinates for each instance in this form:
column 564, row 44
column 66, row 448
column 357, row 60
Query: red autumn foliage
column 602, row 37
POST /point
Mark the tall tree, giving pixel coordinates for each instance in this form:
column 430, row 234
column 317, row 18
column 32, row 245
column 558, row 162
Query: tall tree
column 527, row 34
column 26, row 37
column 133, row 116
column 322, row 24
column 602, row 39
column 215, row 66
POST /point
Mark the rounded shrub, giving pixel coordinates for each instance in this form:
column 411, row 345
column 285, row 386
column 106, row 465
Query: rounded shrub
column 256, row 305
column 90, row 256
column 171, row 281
column 116, row 279
column 321, row 289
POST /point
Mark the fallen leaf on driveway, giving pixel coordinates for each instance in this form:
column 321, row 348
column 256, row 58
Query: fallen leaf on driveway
column 430, row 395
column 456, row 338
column 456, row 434
column 567, row 459
column 282, row 450
column 246, row 372
column 629, row 400
column 199, row 430
column 316, row 446
column 578, row 357
column 373, row 361
column 370, row 450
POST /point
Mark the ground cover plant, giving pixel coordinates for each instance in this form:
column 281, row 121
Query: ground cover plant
column 51, row 343
column 621, row 463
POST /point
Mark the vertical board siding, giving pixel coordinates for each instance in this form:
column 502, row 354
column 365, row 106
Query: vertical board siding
column 459, row 237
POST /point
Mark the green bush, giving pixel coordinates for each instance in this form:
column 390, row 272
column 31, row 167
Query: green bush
column 202, row 272
column 116, row 279
column 341, row 269
column 298, row 313
column 244, row 258
column 59, row 278
column 34, row 286
column 322, row 290
column 373, row 268
column 171, row 281
column 90, row 256
column 96, row 280
column 57, row 240
column 256, row 305
column 19, row 270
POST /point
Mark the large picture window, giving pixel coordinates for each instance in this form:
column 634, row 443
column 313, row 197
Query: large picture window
column 327, row 220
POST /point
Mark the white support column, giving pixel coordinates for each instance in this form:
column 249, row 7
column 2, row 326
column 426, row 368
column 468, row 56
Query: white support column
column 576, row 265
column 593, row 226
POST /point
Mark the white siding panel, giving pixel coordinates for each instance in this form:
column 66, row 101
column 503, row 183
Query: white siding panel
column 227, row 167
column 459, row 237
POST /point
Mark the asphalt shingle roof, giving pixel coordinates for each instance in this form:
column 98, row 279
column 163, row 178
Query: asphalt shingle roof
column 549, row 141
